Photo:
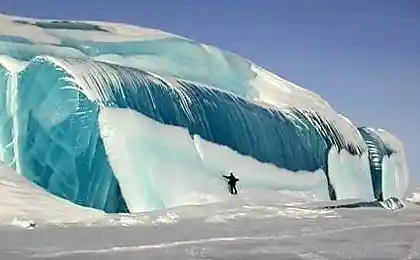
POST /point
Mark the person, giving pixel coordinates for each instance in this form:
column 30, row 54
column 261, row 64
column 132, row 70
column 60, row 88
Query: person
column 232, row 183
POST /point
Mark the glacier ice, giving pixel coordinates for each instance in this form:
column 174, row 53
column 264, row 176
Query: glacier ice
column 122, row 118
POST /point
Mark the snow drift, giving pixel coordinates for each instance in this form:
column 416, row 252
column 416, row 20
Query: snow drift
column 24, row 202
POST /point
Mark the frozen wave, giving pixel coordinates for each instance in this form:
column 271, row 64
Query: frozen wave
column 168, row 171
column 63, row 131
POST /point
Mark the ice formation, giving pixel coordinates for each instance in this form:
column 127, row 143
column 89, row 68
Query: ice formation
column 122, row 118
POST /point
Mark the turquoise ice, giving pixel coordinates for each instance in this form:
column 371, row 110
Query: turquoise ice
column 124, row 119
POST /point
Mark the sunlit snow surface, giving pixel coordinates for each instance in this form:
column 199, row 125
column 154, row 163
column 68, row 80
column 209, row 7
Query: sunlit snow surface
column 255, row 225
column 121, row 118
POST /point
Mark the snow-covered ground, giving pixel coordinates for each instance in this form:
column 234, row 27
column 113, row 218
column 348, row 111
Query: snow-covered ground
column 254, row 225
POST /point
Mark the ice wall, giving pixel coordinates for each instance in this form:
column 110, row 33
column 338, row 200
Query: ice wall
column 377, row 151
column 90, row 112
column 9, row 69
column 57, row 135
column 58, row 97
column 350, row 175
column 158, row 165
column 387, row 163
column 394, row 166
column 5, row 120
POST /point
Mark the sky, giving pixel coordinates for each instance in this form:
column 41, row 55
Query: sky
column 362, row 56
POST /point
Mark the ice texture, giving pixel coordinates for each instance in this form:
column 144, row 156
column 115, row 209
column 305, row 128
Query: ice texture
column 122, row 118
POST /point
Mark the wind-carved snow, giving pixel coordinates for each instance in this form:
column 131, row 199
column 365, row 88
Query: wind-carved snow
column 122, row 118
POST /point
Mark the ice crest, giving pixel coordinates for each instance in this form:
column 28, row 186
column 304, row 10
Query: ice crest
column 128, row 119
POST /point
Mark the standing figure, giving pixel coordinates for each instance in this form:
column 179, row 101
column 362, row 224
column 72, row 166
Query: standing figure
column 232, row 183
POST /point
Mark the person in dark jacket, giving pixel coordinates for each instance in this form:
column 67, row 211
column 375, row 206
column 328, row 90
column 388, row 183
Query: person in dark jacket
column 232, row 183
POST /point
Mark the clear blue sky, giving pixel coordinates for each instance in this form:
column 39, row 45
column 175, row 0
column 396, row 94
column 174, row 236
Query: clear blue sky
column 362, row 56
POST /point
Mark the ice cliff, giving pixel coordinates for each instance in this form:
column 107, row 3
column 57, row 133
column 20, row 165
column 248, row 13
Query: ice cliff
column 122, row 118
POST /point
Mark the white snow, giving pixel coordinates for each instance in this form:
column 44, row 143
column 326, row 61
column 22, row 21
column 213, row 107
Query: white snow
column 415, row 198
column 22, row 203
column 251, row 227
column 115, row 32
column 32, row 33
column 12, row 65
column 277, row 91
column 274, row 91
